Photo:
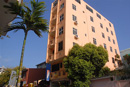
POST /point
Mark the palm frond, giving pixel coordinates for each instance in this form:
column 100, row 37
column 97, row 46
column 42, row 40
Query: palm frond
column 16, row 27
column 38, row 33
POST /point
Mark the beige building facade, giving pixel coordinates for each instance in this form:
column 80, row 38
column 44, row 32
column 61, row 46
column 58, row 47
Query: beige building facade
column 74, row 21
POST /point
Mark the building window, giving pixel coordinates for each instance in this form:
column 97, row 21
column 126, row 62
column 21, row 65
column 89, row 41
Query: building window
column 78, row 1
column 115, row 51
column 55, row 67
column 74, row 7
column 61, row 6
column 113, row 60
column 74, row 18
column 60, row 65
column 61, row 17
column 111, row 33
column 113, row 41
column 105, row 46
column 74, row 31
column 93, row 29
column 111, row 49
column 98, row 16
column 103, row 35
column 109, row 38
column 107, row 29
column 91, row 10
column 101, row 25
column 94, row 41
column 110, row 24
column 61, row 31
column 60, row 46
column 91, row 18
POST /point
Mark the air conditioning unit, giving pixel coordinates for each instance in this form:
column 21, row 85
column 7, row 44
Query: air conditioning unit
column 76, row 36
column 75, row 22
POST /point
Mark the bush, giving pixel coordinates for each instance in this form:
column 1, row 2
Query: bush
column 105, row 71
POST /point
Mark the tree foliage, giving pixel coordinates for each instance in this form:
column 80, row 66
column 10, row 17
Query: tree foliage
column 5, row 76
column 105, row 71
column 83, row 63
column 127, row 58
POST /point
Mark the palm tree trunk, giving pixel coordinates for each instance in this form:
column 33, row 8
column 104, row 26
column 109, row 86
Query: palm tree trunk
column 21, row 61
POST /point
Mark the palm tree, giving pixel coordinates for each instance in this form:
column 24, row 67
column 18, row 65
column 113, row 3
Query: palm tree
column 29, row 19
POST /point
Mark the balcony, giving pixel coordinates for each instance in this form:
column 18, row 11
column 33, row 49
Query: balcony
column 55, row 3
column 53, row 29
column 52, row 32
column 51, row 57
column 52, row 43
column 58, row 74
column 54, row 10
column 53, row 22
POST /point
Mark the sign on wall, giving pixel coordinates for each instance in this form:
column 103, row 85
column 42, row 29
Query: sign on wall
column 48, row 71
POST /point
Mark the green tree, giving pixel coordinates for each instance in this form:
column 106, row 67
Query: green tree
column 83, row 63
column 105, row 71
column 127, row 58
column 30, row 19
column 97, row 55
column 5, row 76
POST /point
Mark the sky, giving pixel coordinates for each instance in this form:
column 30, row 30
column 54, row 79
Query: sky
column 116, row 11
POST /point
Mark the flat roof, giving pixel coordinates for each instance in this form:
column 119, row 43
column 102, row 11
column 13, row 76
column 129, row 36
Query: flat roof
column 125, row 50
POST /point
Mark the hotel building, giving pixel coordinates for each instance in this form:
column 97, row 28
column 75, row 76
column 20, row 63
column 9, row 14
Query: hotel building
column 74, row 21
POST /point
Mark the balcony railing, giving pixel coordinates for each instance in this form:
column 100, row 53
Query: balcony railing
column 53, row 29
column 54, row 10
column 52, row 34
column 58, row 74
column 52, row 42
column 53, row 22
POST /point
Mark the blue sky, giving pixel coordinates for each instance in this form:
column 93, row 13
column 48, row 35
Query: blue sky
column 116, row 11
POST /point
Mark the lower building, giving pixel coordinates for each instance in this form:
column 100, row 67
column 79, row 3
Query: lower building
column 2, row 69
column 29, row 75
column 36, row 76
column 123, row 53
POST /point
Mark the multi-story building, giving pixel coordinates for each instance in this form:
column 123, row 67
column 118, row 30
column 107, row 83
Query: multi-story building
column 74, row 21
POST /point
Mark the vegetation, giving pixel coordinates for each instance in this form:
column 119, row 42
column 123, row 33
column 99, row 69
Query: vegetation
column 105, row 71
column 30, row 19
column 124, row 72
column 127, row 58
column 5, row 76
column 83, row 63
